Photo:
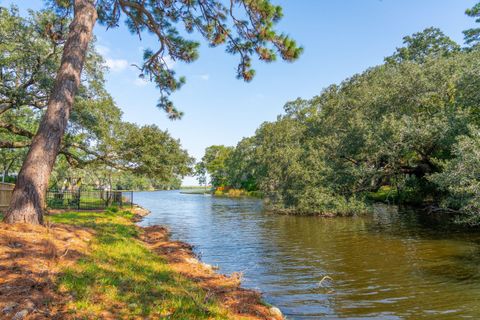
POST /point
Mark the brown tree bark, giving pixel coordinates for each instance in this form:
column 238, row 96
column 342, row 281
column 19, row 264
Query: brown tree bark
column 28, row 200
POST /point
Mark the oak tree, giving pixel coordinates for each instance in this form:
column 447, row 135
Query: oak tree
column 246, row 27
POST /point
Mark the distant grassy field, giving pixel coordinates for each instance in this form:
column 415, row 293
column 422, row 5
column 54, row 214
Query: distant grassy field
column 195, row 189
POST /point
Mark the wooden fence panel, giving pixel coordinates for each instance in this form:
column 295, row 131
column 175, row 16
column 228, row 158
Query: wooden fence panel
column 6, row 190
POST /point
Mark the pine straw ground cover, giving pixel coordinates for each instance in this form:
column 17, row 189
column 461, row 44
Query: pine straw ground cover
column 99, row 265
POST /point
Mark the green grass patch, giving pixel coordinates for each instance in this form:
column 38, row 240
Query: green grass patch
column 123, row 277
column 73, row 203
column 389, row 194
column 383, row 194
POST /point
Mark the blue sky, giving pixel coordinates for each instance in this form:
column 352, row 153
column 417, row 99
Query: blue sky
column 340, row 37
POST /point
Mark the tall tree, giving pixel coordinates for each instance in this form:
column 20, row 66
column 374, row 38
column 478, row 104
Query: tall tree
column 472, row 35
column 97, row 144
column 201, row 173
column 215, row 163
column 245, row 26
column 431, row 42
column 29, row 195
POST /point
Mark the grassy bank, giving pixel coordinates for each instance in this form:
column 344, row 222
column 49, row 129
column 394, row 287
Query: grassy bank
column 223, row 192
column 121, row 276
column 100, row 265
column 236, row 193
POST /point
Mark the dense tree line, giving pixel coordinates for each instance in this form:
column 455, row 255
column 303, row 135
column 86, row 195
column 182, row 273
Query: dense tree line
column 406, row 131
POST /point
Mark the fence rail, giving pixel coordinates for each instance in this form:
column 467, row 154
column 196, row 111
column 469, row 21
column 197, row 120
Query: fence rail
column 88, row 200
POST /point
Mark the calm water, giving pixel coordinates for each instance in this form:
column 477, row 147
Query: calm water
column 385, row 266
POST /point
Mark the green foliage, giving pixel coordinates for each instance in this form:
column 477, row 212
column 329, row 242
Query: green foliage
column 214, row 162
column 151, row 152
column 428, row 43
column 98, row 149
column 472, row 35
column 55, row 203
column 201, row 173
column 460, row 178
column 113, row 209
column 237, row 193
column 121, row 275
column 29, row 59
column 409, row 194
column 388, row 134
column 328, row 204
column 241, row 167
column 245, row 27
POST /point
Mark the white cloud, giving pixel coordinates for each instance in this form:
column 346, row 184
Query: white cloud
column 169, row 61
column 116, row 65
column 205, row 76
column 103, row 50
column 139, row 82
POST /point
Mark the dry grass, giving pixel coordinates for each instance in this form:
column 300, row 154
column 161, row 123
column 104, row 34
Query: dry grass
column 31, row 259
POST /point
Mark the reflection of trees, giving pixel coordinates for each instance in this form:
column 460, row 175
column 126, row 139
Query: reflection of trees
column 374, row 261
column 385, row 263
column 378, row 263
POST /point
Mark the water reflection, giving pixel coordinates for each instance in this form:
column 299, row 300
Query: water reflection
column 388, row 266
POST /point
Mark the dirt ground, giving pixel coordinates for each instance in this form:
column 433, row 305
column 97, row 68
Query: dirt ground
column 30, row 259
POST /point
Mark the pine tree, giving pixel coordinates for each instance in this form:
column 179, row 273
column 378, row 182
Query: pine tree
column 246, row 27
column 472, row 36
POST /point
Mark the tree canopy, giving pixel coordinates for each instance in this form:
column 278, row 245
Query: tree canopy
column 96, row 139
column 472, row 35
column 404, row 132
column 214, row 162
column 421, row 45
column 246, row 27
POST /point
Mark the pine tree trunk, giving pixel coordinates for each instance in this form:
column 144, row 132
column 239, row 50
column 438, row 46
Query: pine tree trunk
column 28, row 199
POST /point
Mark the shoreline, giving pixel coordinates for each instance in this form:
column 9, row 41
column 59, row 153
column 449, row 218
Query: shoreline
column 242, row 303
column 102, row 265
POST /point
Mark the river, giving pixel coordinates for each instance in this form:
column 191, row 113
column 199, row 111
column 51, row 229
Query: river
column 388, row 265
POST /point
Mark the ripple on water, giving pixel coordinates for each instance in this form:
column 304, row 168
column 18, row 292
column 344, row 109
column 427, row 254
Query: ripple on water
column 385, row 266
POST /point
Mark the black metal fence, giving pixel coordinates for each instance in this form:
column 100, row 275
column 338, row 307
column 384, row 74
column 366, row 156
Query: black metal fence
column 88, row 200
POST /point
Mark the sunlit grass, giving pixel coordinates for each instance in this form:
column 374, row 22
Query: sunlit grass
column 389, row 194
column 125, row 279
column 384, row 194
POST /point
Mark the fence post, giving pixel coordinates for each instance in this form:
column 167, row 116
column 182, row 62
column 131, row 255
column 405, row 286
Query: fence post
column 131, row 199
column 79, row 197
